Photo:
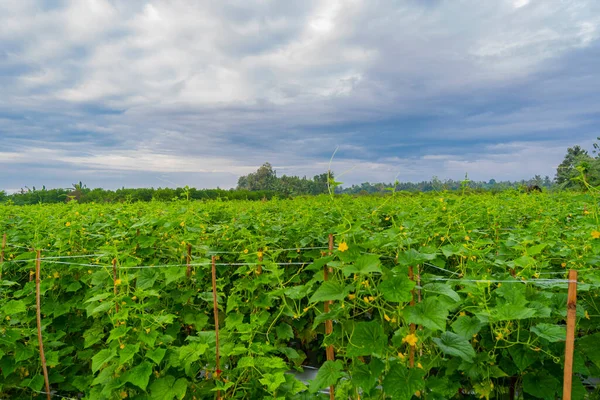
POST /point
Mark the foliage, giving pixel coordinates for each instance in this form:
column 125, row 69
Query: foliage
column 480, row 329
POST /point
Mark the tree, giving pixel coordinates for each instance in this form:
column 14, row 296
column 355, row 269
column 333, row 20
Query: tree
column 567, row 170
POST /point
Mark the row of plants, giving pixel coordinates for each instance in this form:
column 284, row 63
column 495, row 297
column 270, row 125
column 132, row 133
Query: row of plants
column 489, row 297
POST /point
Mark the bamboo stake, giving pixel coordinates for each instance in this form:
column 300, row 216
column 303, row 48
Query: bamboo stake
column 2, row 253
column 570, row 343
column 216, row 311
column 38, row 262
column 188, row 270
column 411, row 356
column 114, row 267
column 328, row 323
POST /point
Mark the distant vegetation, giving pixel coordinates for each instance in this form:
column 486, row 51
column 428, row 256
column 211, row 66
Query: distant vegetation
column 579, row 170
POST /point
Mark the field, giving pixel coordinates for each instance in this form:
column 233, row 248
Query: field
column 431, row 296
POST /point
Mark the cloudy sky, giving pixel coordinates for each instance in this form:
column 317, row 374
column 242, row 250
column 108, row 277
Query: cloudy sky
column 164, row 93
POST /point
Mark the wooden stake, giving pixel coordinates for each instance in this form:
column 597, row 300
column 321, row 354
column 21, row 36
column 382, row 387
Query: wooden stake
column 114, row 267
column 328, row 323
column 216, row 311
column 411, row 356
column 38, row 262
column 2, row 253
column 188, row 271
column 570, row 343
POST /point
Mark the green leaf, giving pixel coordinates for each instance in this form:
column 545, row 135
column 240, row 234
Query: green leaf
column 128, row 352
column 541, row 385
column 467, row 326
column 101, row 358
column 430, row 313
column 455, row 345
column 98, row 297
column 329, row 290
column 272, row 381
column 328, row 375
column 367, row 338
column 284, row 331
column 412, row 257
column 139, row 375
column 156, row 355
column 401, row 383
column 552, row 333
column 441, row 288
column 14, row 307
column 397, row 289
column 167, row 388
column 522, row 356
column 365, row 264
column 365, row 376
column 588, row 345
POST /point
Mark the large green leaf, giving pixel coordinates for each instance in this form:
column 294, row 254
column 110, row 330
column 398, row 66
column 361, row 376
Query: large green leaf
column 455, row 345
column 328, row 375
column 430, row 313
column 13, row 307
column 365, row 264
column 443, row 289
column 139, row 375
column 467, row 326
column 102, row 357
column 397, row 289
column 401, row 383
column 552, row 333
column 541, row 384
column 365, row 376
column 329, row 290
column 366, row 339
column 167, row 388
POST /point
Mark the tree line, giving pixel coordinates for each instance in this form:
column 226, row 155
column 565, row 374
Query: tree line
column 578, row 170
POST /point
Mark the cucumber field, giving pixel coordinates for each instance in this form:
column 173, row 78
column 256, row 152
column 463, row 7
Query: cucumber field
column 406, row 296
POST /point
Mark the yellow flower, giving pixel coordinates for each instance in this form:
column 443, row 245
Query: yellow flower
column 442, row 199
column 8, row 317
column 411, row 339
column 366, row 299
column 147, row 330
column 467, row 238
column 183, row 243
column 117, row 282
column 371, row 298
column 134, row 298
column 586, row 314
column 586, row 212
column 393, row 321
column 419, row 365
column 462, row 313
column 259, row 254
column 68, row 224
column 245, row 251
column 401, row 356
column 499, row 336
column 596, row 234
column 89, row 271
column 76, row 212
column 56, row 275
column 563, row 265
column 182, row 224
column 388, row 319
column 442, row 238
column 387, row 218
column 351, row 296
column 343, row 246
column 122, row 346
column 305, row 309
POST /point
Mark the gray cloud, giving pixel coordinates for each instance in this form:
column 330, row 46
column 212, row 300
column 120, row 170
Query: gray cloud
column 132, row 90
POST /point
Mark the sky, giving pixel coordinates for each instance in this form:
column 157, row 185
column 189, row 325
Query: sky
column 159, row 93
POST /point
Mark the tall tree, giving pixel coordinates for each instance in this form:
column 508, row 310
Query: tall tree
column 567, row 170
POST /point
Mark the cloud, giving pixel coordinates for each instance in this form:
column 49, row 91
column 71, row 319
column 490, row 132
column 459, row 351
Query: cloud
column 131, row 90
